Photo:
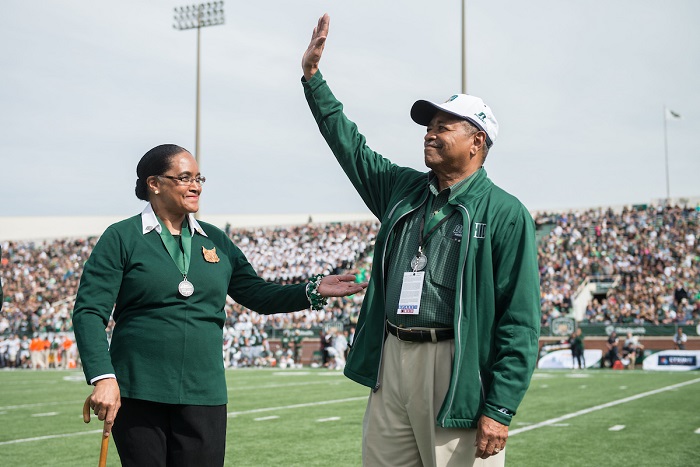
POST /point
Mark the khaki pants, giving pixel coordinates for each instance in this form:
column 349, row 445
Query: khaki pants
column 399, row 427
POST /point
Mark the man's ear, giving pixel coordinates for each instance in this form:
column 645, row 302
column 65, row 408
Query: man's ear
column 479, row 142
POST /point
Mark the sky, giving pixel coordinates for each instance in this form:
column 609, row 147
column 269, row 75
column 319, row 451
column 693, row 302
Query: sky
column 578, row 88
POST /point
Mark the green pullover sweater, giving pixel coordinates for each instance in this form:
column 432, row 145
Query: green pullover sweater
column 165, row 347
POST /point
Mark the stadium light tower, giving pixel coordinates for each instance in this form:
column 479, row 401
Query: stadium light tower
column 198, row 17
column 464, row 46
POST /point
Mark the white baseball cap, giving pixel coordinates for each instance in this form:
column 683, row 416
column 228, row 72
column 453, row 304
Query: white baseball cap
column 470, row 108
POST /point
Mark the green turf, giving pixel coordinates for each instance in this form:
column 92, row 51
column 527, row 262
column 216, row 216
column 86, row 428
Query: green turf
column 314, row 418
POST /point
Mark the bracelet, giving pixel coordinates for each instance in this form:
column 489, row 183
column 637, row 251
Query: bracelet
column 317, row 300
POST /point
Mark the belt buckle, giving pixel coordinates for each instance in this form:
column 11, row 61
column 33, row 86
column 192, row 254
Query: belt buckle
column 398, row 332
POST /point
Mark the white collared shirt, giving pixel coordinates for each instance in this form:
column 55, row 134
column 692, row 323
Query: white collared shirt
column 149, row 222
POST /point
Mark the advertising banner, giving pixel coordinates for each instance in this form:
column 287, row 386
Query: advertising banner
column 673, row 360
column 562, row 359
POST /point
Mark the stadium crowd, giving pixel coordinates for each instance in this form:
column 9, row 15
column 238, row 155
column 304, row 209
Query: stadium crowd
column 40, row 280
column 650, row 255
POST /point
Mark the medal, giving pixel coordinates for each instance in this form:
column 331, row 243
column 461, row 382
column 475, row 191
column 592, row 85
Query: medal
column 185, row 287
column 180, row 253
column 418, row 262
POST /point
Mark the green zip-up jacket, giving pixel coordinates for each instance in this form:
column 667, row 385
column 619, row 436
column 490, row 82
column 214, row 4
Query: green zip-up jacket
column 166, row 347
column 496, row 310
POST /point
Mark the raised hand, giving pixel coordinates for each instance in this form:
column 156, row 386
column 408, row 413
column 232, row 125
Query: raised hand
column 309, row 62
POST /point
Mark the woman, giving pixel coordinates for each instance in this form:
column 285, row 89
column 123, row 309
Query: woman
column 160, row 384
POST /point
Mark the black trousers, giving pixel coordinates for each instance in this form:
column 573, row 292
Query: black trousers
column 169, row 435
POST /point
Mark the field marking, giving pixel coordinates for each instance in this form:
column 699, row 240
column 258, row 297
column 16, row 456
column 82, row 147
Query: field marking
column 274, row 386
column 39, row 404
column 697, row 431
column 602, row 406
column 47, row 414
column 616, row 428
column 329, row 419
column 41, row 438
column 262, row 419
column 297, row 406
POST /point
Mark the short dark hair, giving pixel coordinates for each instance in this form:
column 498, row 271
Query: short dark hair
column 470, row 128
column 154, row 162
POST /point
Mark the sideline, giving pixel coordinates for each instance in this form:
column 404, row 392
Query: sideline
column 552, row 421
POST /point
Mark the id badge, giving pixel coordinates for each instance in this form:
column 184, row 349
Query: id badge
column 411, row 291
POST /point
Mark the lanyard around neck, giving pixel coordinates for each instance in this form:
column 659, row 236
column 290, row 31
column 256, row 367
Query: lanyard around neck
column 180, row 257
column 429, row 228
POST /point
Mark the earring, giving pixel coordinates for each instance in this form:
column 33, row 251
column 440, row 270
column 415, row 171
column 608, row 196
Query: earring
column 157, row 192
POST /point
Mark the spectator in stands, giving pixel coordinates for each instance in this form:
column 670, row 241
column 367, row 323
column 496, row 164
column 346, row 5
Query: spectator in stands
column 679, row 339
column 680, row 294
column 167, row 272
column 485, row 219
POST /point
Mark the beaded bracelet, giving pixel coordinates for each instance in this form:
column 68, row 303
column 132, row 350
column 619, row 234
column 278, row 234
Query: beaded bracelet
column 317, row 300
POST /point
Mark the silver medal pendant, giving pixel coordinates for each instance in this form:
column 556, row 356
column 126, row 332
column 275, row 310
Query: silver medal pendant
column 185, row 288
column 418, row 262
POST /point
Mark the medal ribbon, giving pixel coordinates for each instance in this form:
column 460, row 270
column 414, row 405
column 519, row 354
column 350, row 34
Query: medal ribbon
column 182, row 261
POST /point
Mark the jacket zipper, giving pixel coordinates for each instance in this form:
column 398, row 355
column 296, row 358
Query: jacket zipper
column 386, row 244
column 458, row 332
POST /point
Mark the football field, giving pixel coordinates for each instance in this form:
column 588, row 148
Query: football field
column 313, row 417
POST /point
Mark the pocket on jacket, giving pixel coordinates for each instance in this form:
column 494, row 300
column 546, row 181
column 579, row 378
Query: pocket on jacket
column 442, row 273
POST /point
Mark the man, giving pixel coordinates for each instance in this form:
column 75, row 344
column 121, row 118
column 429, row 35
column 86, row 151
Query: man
column 679, row 339
column 613, row 351
column 577, row 349
column 448, row 331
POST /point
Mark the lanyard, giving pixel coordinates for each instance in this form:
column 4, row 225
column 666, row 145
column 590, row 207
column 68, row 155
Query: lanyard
column 440, row 217
column 182, row 261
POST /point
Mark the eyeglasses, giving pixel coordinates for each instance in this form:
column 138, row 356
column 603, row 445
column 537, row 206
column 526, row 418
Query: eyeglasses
column 186, row 179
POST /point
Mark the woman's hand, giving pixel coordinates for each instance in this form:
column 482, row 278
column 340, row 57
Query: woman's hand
column 340, row 286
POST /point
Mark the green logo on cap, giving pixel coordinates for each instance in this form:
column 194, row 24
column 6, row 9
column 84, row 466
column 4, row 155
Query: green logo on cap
column 481, row 116
column 452, row 98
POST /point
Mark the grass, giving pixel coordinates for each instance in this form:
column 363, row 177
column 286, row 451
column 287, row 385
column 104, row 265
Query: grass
column 314, row 418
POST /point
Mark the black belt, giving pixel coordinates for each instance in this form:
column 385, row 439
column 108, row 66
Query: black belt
column 420, row 335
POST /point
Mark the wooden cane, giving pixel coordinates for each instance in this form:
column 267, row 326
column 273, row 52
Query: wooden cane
column 105, row 439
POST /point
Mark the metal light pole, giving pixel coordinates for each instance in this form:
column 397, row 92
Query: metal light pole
column 464, row 46
column 668, row 183
column 198, row 17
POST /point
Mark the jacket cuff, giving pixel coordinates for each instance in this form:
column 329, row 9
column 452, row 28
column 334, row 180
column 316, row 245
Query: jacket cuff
column 314, row 83
column 500, row 414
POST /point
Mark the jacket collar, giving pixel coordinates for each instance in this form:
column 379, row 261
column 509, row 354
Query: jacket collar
column 149, row 222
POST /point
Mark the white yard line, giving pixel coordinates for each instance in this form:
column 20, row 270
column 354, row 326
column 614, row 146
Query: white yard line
column 284, row 385
column 40, row 404
column 329, row 419
column 297, row 406
column 262, row 419
column 41, row 438
column 616, row 428
column 552, row 421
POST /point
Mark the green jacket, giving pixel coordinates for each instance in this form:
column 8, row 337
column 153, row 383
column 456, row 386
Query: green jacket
column 497, row 312
column 165, row 347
